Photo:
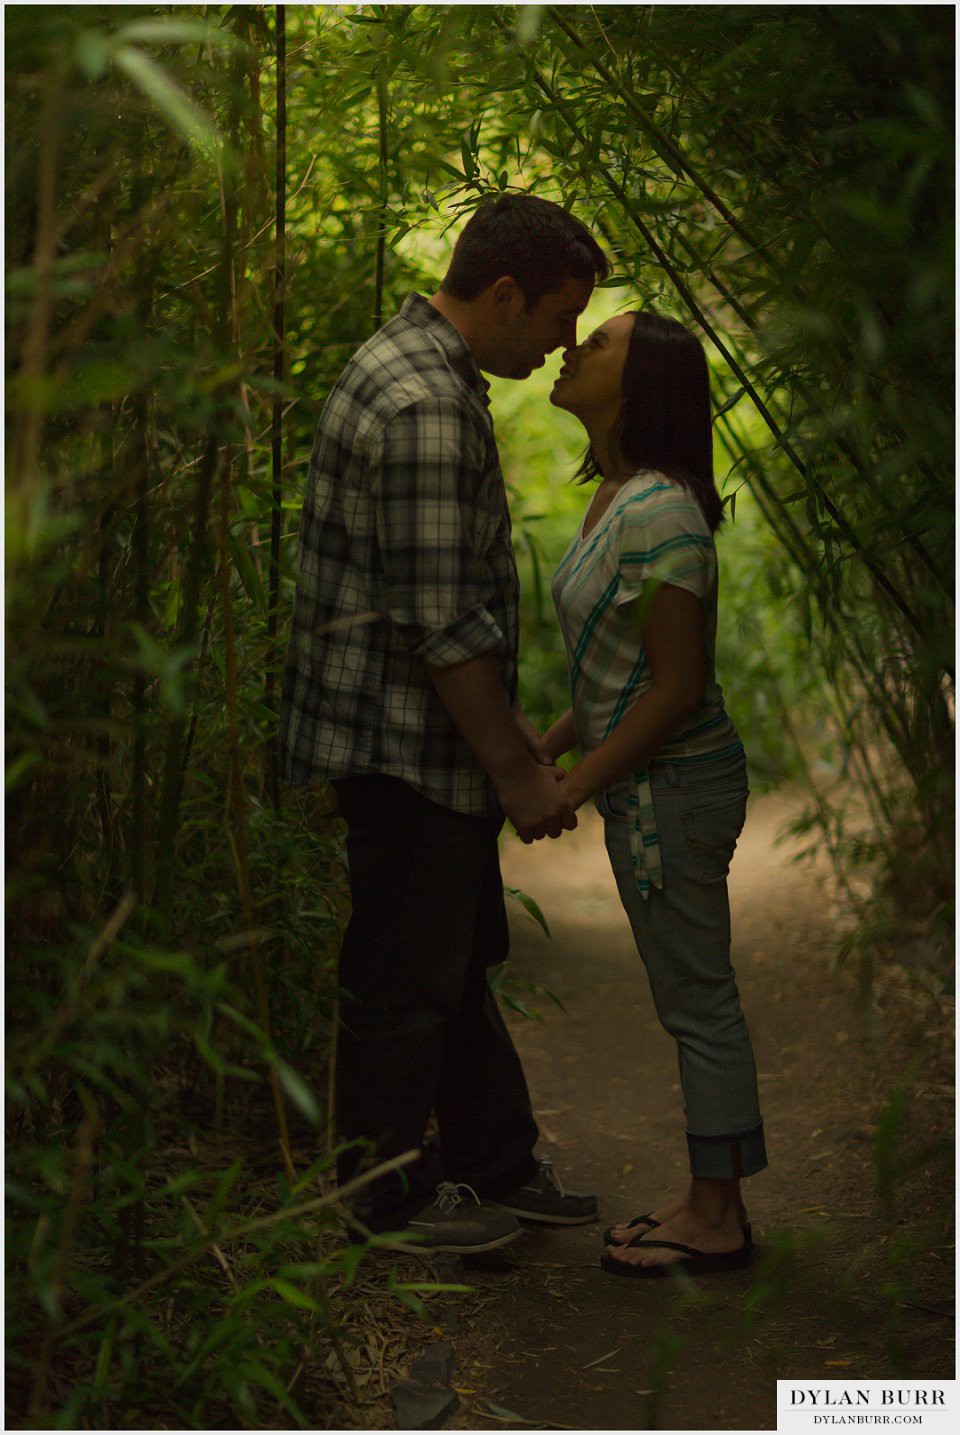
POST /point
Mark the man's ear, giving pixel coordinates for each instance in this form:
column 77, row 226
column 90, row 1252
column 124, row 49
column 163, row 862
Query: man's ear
column 505, row 294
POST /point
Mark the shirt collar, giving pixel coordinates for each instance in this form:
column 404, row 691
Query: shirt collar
column 416, row 310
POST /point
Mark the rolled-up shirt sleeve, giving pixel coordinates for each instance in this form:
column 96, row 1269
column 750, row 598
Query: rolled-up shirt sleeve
column 427, row 470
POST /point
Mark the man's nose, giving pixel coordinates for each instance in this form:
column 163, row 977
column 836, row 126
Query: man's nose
column 570, row 337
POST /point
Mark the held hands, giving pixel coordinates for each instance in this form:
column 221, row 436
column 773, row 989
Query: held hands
column 530, row 797
column 534, row 802
column 534, row 742
column 571, row 786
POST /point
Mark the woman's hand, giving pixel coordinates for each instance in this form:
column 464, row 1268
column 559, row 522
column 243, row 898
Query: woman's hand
column 561, row 735
column 534, row 742
column 572, row 787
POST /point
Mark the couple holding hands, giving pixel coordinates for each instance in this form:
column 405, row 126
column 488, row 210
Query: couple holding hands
column 401, row 688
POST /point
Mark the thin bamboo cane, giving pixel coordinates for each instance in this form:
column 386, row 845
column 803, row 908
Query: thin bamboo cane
column 172, row 779
column 34, row 354
column 82, row 1166
column 141, row 608
column 276, row 450
column 235, row 799
column 382, row 97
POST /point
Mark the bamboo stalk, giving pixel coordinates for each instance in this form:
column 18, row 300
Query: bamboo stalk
column 36, row 341
column 141, row 608
column 382, row 97
column 235, row 798
column 82, row 1166
column 172, row 780
column 238, row 836
column 279, row 347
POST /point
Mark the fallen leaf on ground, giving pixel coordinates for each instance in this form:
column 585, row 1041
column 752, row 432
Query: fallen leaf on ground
column 601, row 1358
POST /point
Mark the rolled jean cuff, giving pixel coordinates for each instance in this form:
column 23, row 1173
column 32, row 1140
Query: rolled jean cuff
column 721, row 1158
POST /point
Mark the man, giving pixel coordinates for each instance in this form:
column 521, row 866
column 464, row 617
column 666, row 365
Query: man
column 400, row 687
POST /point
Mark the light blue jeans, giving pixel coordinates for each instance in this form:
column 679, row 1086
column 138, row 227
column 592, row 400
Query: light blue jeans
column 683, row 937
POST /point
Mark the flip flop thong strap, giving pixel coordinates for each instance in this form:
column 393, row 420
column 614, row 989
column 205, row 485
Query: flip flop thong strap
column 639, row 1241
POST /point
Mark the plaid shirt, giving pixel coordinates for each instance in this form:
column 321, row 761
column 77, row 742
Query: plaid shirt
column 405, row 559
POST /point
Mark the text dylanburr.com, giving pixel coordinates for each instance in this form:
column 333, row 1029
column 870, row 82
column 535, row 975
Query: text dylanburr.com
column 834, row 1406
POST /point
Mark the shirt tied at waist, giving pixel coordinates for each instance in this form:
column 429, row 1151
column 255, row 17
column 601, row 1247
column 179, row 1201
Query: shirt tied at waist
column 644, row 838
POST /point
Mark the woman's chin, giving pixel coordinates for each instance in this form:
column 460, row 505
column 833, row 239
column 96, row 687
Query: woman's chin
column 556, row 395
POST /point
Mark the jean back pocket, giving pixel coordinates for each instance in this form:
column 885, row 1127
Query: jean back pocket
column 711, row 830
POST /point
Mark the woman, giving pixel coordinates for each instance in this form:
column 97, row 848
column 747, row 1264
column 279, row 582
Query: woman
column 636, row 594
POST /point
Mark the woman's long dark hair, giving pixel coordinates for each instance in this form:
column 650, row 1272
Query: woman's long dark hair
column 664, row 420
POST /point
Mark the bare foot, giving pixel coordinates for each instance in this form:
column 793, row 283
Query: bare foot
column 689, row 1229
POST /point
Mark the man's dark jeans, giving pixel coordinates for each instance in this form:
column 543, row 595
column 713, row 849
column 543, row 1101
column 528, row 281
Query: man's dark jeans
column 420, row 1028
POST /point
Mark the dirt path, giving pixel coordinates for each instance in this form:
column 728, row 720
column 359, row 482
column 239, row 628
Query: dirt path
column 843, row 1287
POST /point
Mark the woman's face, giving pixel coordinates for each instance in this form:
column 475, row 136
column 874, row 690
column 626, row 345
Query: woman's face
column 590, row 381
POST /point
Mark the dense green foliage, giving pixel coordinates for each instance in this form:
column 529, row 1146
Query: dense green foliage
column 779, row 177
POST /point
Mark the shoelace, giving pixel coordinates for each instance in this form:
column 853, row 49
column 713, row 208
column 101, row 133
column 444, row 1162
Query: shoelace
column 448, row 1196
column 546, row 1166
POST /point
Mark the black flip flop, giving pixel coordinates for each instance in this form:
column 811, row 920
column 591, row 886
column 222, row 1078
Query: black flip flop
column 698, row 1263
column 646, row 1219
column 652, row 1224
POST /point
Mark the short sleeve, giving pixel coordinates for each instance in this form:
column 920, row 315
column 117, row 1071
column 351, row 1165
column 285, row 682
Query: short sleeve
column 664, row 536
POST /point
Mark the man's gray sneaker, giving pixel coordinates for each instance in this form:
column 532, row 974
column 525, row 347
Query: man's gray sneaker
column 544, row 1199
column 451, row 1223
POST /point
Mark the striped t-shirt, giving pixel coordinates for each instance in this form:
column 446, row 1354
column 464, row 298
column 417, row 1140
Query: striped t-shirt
column 654, row 530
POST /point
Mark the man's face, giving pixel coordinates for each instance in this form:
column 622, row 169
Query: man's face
column 529, row 335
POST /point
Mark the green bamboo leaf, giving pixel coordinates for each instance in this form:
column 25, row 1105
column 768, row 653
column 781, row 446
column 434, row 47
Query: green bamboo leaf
column 349, row 1261
column 298, row 1091
column 176, row 32
column 247, row 571
column 515, row 1004
column 468, row 158
column 293, row 1295
column 157, row 85
column 529, row 20
column 19, row 768
column 730, row 403
column 529, row 905
column 92, row 54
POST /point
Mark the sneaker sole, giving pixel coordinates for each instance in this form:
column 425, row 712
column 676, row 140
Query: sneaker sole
column 546, row 1220
column 454, row 1248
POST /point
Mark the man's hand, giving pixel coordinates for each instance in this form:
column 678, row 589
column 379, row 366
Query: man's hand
column 526, row 781
column 534, row 803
